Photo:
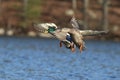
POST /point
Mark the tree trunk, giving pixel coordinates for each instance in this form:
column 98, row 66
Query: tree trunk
column 25, row 11
column 74, row 5
column 0, row 6
column 86, row 2
column 105, row 15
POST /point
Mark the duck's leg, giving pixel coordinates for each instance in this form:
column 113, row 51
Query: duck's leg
column 60, row 43
column 72, row 47
column 81, row 47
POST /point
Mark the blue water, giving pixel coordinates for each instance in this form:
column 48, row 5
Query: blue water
column 42, row 59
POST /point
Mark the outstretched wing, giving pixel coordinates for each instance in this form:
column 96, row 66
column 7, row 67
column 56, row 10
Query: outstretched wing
column 43, row 26
column 43, row 29
column 74, row 23
column 77, row 24
column 92, row 33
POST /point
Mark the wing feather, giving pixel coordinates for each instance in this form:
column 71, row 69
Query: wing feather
column 92, row 33
column 43, row 26
column 74, row 23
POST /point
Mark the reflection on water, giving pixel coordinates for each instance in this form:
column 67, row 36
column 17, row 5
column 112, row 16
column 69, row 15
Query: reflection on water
column 42, row 59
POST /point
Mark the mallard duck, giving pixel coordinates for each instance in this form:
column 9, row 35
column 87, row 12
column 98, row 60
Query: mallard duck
column 61, row 33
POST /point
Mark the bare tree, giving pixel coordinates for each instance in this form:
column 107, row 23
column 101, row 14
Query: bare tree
column 105, row 15
column 25, row 4
column 74, row 5
column 25, row 10
column 0, row 6
column 86, row 2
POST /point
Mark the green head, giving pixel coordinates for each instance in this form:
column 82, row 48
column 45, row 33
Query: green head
column 51, row 29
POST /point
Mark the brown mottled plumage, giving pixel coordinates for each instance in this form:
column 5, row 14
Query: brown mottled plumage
column 76, row 34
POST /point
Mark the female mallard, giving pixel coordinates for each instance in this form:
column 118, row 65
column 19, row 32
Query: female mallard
column 76, row 35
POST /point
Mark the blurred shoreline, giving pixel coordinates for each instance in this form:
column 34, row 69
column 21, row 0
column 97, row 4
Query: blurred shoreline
column 33, row 34
column 23, row 12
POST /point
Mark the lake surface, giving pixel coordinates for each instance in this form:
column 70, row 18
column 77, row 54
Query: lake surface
column 42, row 59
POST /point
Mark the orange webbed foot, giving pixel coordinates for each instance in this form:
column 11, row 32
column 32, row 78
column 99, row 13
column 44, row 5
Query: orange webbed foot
column 60, row 43
column 72, row 47
column 81, row 48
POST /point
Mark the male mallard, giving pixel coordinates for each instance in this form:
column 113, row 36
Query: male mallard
column 61, row 33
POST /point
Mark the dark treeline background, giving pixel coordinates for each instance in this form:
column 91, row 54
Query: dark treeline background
column 16, row 16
